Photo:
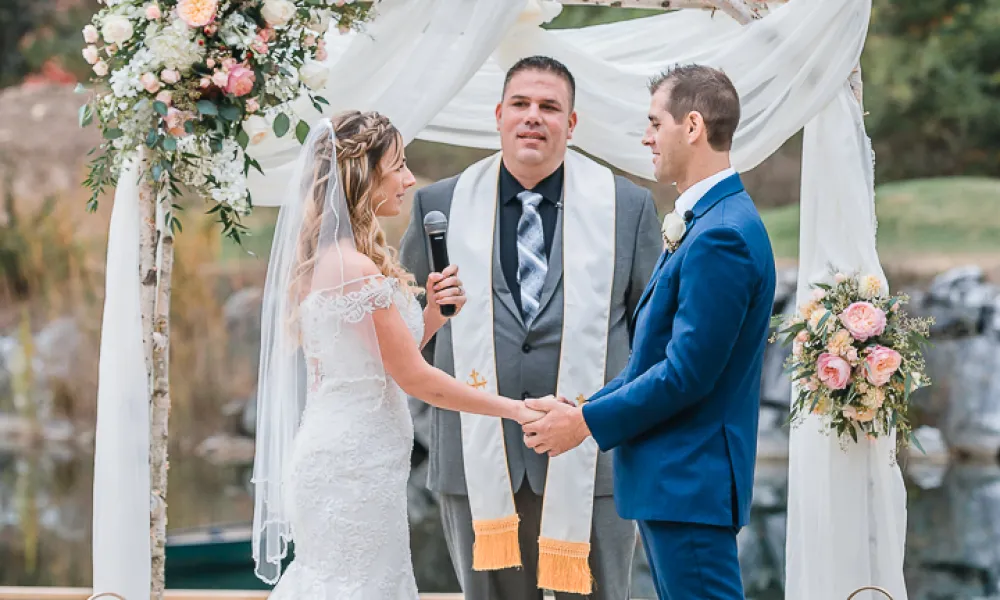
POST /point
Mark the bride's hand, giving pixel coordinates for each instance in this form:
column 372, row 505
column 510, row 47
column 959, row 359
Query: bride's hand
column 446, row 288
column 526, row 415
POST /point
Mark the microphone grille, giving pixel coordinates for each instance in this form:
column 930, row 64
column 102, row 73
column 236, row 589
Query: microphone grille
column 435, row 222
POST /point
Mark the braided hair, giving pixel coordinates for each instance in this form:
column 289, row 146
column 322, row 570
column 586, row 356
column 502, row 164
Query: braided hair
column 363, row 139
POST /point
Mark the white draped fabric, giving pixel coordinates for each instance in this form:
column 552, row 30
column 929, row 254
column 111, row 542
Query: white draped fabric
column 435, row 67
column 121, row 453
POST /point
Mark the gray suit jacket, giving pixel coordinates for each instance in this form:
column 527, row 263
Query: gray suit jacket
column 528, row 358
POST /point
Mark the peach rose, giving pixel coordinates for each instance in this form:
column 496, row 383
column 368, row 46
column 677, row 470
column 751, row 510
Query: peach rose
column 220, row 79
column 150, row 82
column 833, row 371
column 252, row 105
column 240, row 81
column 170, row 76
column 90, row 34
column 165, row 97
column 882, row 363
column 840, row 342
column 197, row 13
column 175, row 121
column 153, row 12
column 863, row 320
column 90, row 55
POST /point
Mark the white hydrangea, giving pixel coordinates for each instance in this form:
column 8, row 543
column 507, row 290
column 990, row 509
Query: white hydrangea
column 125, row 82
column 225, row 168
column 237, row 31
column 173, row 46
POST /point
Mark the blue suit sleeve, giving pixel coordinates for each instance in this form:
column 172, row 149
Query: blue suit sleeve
column 717, row 281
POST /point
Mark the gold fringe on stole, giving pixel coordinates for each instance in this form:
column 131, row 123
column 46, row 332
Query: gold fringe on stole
column 563, row 566
column 496, row 545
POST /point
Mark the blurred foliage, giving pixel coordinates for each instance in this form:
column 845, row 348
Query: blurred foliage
column 36, row 32
column 932, row 87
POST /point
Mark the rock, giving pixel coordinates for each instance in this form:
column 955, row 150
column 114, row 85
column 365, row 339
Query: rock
column 960, row 301
column 57, row 347
column 248, row 416
column 226, row 450
column 931, row 440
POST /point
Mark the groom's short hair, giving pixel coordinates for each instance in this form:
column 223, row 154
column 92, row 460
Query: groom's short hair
column 697, row 88
column 547, row 65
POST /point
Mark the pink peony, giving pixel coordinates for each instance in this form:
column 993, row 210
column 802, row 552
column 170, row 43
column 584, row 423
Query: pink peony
column 240, row 81
column 153, row 12
column 165, row 97
column 833, row 371
column 205, row 82
column 259, row 46
column 863, row 320
column 150, row 82
column 882, row 362
column 197, row 13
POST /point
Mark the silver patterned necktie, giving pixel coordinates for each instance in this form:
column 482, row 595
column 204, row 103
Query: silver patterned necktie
column 532, row 264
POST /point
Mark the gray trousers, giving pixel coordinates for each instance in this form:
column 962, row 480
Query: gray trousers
column 612, row 546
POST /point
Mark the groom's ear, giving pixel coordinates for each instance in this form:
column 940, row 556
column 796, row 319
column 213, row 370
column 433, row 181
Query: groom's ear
column 572, row 125
column 695, row 125
column 498, row 111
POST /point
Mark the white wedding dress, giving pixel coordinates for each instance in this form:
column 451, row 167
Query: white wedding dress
column 351, row 456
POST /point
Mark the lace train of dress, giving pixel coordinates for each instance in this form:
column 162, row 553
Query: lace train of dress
column 351, row 458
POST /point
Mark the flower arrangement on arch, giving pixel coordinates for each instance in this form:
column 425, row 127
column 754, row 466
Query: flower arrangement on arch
column 193, row 80
column 856, row 358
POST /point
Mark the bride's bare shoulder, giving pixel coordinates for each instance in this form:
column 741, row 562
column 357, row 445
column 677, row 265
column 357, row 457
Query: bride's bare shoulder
column 340, row 265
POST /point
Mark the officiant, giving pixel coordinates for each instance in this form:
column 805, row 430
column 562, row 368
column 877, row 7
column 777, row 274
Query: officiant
column 554, row 252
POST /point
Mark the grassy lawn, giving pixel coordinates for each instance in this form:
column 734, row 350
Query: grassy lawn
column 946, row 216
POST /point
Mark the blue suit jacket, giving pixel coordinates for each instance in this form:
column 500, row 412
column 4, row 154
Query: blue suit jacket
column 682, row 416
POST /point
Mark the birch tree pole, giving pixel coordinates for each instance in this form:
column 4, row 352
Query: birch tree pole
column 156, row 259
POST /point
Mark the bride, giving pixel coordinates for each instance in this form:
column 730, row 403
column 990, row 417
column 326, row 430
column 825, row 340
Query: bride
column 340, row 351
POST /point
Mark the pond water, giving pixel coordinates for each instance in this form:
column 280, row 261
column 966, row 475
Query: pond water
column 953, row 545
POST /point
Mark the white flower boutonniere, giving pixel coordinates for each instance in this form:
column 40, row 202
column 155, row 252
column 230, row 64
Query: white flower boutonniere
column 674, row 228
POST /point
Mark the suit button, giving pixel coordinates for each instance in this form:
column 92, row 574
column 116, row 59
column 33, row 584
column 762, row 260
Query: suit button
column 525, row 396
column 526, row 348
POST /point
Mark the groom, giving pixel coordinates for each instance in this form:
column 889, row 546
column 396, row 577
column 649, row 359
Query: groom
column 682, row 416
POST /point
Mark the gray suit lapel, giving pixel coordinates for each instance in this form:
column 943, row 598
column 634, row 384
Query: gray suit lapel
column 555, row 271
column 500, row 288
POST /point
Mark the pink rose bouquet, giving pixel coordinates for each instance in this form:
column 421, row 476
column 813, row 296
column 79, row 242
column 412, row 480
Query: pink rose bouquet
column 180, row 79
column 856, row 358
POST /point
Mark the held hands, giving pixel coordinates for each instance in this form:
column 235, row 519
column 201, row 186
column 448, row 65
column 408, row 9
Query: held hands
column 560, row 430
column 445, row 288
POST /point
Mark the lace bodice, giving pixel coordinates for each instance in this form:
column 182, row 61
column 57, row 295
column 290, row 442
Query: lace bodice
column 339, row 339
column 351, row 456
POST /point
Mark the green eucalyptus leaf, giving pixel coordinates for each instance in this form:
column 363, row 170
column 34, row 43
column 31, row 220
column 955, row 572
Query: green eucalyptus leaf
column 302, row 131
column 281, row 125
column 207, row 107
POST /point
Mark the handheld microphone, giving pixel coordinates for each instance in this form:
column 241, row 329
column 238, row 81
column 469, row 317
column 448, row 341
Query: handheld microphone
column 436, row 226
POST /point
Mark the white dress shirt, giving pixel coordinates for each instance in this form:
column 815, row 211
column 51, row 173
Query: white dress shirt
column 693, row 194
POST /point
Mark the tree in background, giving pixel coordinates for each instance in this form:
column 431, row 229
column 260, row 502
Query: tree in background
column 932, row 87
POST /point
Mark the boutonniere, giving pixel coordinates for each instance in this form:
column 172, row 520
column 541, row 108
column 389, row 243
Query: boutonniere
column 674, row 228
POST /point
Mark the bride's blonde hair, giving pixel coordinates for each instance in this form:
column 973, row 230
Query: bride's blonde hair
column 363, row 139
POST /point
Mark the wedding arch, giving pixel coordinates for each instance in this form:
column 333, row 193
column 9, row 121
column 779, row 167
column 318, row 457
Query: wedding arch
column 436, row 67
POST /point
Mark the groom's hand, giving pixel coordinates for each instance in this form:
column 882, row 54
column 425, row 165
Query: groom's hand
column 561, row 430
